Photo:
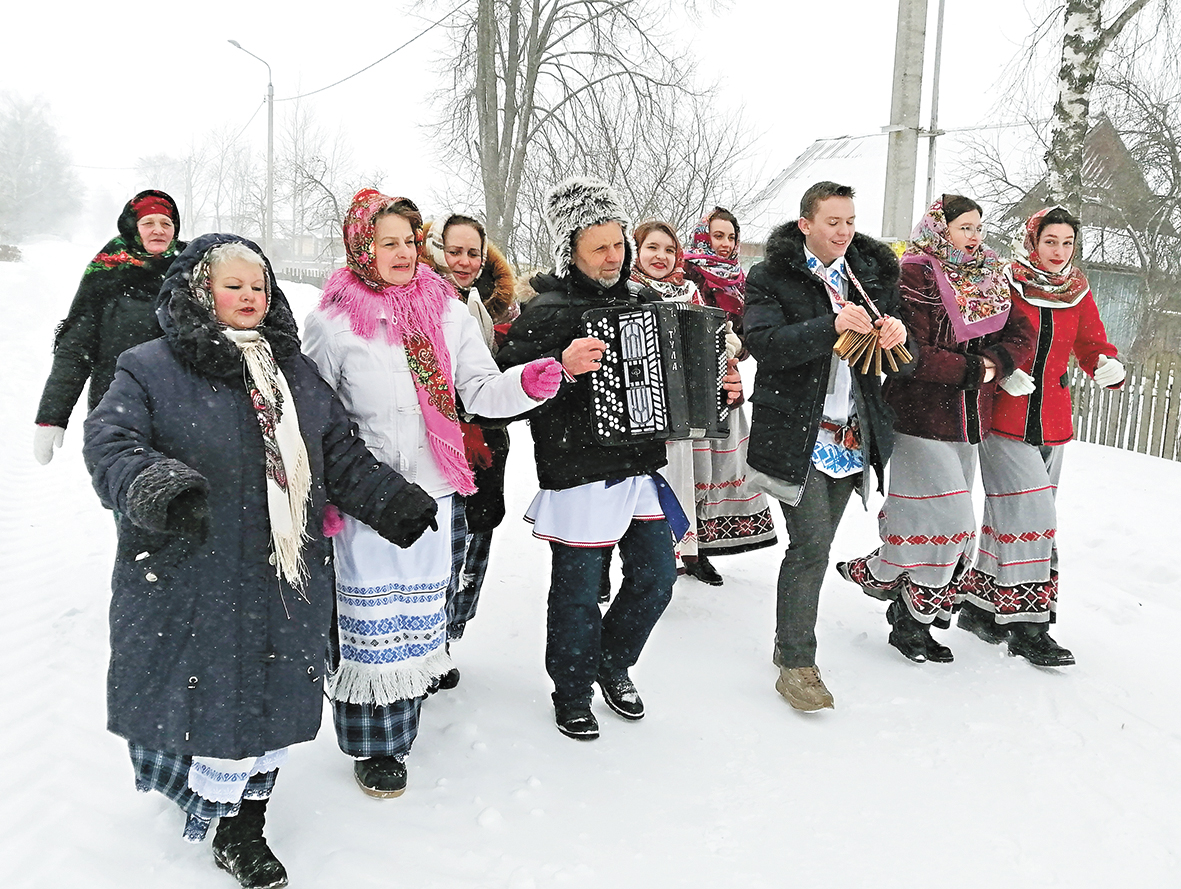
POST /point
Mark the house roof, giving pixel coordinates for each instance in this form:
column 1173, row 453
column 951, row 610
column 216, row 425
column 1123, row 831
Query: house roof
column 859, row 161
column 1115, row 192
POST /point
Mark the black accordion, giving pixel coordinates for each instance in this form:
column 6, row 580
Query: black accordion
column 661, row 375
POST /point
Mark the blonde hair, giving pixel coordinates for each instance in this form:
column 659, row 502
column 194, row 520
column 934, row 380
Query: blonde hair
column 223, row 253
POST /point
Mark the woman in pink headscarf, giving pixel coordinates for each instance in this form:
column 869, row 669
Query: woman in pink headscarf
column 397, row 346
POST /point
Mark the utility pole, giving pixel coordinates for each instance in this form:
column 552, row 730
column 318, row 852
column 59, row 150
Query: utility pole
column 934, row 131
column 905, row 106
column 270, row 221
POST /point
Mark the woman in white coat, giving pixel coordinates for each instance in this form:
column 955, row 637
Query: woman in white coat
column 392, row 340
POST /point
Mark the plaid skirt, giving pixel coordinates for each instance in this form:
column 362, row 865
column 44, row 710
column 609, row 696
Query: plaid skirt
column 168, row 773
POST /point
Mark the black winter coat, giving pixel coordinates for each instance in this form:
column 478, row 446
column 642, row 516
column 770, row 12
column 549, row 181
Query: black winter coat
column 212, row 654
column 566, row 452
column 113, row 310
column 790, row 331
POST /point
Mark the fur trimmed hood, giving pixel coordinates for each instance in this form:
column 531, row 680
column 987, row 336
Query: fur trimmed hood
column 579, row 203
column 195, row 335
column 496, row 282
column 872, row 260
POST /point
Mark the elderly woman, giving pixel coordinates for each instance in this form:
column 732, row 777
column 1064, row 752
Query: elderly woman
column 399, row 348
column 113, row 310
column 956, row 303
column 731, row 517
column 1014, row 591
column 218, row 445
column 457, row 247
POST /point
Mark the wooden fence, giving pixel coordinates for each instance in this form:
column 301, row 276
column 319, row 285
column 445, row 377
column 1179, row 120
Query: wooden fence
column 314, row 277
column 1141, row 416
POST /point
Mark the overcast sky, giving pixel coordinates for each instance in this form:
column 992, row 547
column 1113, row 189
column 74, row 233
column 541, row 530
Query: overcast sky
column 122, row 87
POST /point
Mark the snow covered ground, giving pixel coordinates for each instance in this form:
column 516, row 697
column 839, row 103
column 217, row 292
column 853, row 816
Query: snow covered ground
column 983, row 772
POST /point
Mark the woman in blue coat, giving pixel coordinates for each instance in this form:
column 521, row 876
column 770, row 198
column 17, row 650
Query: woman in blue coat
column 218, row 446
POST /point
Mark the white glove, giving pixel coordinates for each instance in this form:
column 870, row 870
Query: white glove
column 733, row 344
column 1018, row 383
column 45, row 439
column 1109, row 372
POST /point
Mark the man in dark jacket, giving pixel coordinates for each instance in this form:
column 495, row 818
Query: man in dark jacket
column 593, row 495
column 817, row 422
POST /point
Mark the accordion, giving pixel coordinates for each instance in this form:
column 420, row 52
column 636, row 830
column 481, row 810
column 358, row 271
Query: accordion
column 660, row 378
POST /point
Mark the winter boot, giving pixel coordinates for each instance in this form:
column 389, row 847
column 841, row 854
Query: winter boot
column 703, row 569
column 980, row 623
column 450, row 679
column 381, row 777
column 908, row 635
column 576, row 721
column 240, row 848
column 621, row 696
column 1033, row 642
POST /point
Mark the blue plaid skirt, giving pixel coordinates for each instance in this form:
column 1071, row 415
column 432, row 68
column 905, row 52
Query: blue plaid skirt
column 168, row 773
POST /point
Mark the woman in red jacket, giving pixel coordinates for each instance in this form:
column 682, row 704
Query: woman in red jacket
column 1015, row 588
column 956, row 304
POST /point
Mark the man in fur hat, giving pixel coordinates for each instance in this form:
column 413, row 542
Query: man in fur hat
column 818, row 424
column 592, row 496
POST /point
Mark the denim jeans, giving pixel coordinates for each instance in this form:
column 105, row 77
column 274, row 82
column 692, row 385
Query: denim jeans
column 581, row 644
column 811, row 527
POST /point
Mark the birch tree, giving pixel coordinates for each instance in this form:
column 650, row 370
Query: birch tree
column 1085, row 38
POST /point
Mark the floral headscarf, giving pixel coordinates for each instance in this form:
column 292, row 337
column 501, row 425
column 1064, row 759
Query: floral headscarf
column 127, row 249
column 360, row 230
column 972, row 286
column 723, row 281
column 1039, row 287
column 413, row 315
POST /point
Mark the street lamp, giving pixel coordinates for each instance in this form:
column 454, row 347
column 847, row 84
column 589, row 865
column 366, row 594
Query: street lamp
column 270, row 225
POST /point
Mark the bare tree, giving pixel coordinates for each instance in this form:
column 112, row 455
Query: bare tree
column 526, row 77
column 671, row 163
column 38, row 190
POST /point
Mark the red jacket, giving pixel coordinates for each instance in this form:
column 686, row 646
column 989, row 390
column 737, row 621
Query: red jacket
column 1044, row 418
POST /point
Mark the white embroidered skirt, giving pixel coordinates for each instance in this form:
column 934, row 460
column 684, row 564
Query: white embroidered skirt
column 391, row 612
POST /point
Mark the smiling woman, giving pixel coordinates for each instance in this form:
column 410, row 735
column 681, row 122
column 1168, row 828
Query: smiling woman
column 217, row 445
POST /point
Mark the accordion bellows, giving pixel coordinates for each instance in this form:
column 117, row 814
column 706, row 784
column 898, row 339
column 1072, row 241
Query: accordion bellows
column 661, row 374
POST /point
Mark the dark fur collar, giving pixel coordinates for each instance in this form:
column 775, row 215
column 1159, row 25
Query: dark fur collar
column 195, row 335
column 872, row 261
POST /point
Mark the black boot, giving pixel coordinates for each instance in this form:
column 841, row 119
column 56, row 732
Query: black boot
column 980, row 623
column 1033, row 642
column 701, row 568
column 908, row 635
column 381, row 777
column 240, row 848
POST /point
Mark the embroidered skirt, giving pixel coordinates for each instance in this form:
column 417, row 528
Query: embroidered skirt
column 731, row 516
column 927, row 526
column 391, row 611
column 1016, row 576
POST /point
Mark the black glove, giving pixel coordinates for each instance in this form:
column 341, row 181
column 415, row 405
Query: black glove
column 407, row 516
column 188, row 515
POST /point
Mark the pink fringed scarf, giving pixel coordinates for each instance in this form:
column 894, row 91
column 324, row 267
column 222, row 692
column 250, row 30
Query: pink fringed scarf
column 413, row 314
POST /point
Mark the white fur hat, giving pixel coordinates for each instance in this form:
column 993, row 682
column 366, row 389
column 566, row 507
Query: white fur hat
column 575, row 204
